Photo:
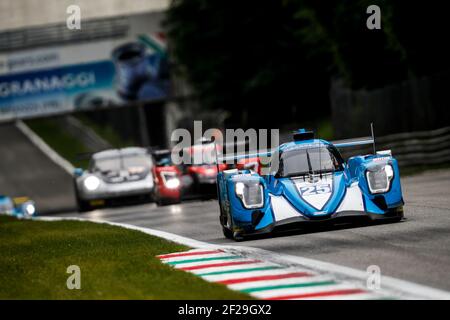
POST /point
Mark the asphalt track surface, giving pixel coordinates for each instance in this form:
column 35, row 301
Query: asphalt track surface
column 416, row 250
column 26, row 171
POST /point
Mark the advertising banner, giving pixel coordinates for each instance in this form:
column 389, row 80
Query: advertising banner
column 86, row 75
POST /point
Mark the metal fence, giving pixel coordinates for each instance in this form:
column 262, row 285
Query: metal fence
column 417, row 104
column 412, row 148
column 58, row 34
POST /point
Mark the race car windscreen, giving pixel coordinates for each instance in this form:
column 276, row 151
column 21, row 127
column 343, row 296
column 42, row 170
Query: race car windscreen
column 308, row 161
column 137, row 161
column 121, row 163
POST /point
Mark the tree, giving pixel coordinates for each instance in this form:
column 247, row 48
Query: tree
column 279, row 56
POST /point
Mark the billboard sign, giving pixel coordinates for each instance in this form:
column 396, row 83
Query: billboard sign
column 86, row 75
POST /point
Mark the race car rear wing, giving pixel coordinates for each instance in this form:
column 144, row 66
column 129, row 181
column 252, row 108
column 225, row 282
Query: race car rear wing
column 267, row 153
column 357, row 142
column 262, row 153
column 353, row 142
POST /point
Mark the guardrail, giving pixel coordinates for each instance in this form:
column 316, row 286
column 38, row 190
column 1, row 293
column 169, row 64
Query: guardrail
column 412, row 148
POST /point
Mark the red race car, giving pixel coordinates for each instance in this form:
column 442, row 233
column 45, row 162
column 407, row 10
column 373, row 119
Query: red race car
column 253, row 164
column 200, row 176
column 168, row 183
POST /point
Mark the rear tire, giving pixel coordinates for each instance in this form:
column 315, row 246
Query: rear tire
column 227, row 233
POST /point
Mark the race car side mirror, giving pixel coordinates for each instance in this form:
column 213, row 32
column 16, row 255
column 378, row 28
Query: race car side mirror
column 78, row 172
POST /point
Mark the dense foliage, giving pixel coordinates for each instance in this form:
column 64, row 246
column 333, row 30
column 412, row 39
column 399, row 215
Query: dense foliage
column 251, row 55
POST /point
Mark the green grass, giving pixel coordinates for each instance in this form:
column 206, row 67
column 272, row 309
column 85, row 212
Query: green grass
column 68, row 146
column 64, row 144
column 105, row 131
column 115, row 263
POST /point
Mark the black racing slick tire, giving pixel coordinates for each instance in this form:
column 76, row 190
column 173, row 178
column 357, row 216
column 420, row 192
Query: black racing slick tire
column 227, row 233
column 400, row 215
column 224, row 221
column 165, row 202
column 83, row 206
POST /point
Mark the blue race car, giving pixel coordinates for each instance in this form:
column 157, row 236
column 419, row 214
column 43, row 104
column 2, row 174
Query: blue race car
column 311, row 183
column 19, row 206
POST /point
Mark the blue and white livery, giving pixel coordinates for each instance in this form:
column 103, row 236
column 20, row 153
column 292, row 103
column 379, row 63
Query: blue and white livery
column 310, row 183
column 19, row 206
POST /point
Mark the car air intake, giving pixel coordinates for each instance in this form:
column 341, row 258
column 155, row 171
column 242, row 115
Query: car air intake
column 380, row 201
column 257, row 215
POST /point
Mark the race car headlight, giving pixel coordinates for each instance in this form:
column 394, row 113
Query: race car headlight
column 30, row 209
column 170, row 180
column 379, row 178
column 91, row 183
column 250, row 193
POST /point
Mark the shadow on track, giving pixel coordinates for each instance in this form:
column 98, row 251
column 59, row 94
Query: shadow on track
column 299, row 229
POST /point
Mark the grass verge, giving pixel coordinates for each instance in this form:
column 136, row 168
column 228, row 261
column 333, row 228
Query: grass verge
column 115, row 263
column 105, row 131
column 58, row 139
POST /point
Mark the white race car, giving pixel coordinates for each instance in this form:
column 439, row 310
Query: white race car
column 114, row 175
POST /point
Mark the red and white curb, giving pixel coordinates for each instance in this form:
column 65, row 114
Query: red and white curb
column 294, row 277
column 263, row 279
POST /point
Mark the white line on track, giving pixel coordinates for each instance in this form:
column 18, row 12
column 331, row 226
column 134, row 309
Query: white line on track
column 44, row 147
column 305, row 290
column 236, row 267
column 203, row 256
column 204, row 264
column 279, row 282
column 237, row 275
column 354, row 296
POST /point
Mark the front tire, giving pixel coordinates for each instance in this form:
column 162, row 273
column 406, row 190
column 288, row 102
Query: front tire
column 237, row 237
column 83, row 206
column 165, row 202
column 400, row 213
column 226, row 222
